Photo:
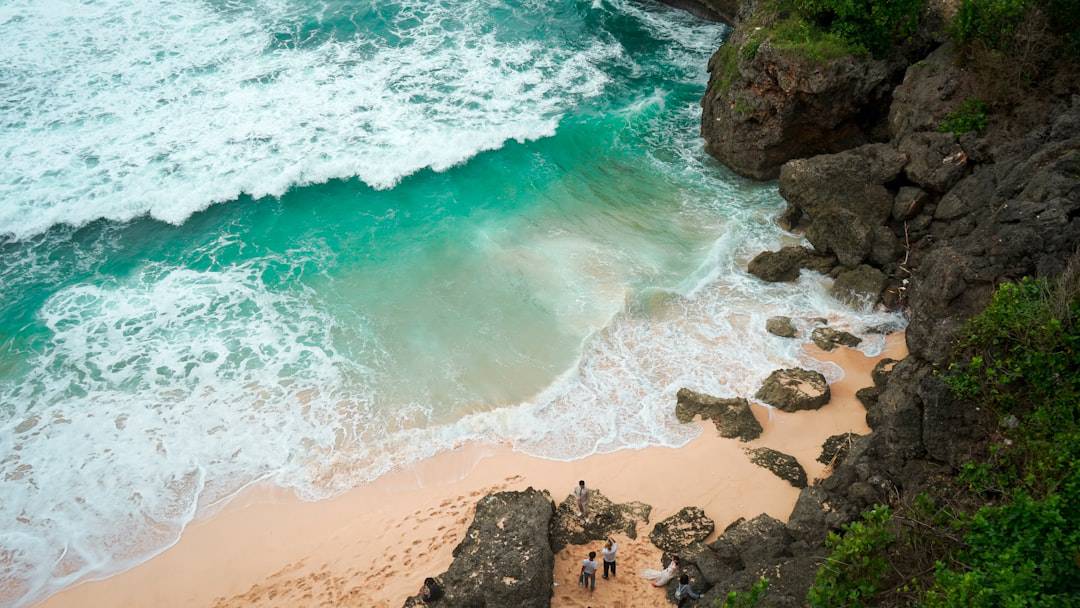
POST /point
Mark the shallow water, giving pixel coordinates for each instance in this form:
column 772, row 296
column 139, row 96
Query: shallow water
column 306, row 242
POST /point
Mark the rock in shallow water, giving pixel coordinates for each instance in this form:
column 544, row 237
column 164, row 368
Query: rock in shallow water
column 732, row 417
column 784, row 466
column 781, row 326
column 795, row 389
column 827, row 338
column 690, row 525
column 786, row 264
column 861, row 286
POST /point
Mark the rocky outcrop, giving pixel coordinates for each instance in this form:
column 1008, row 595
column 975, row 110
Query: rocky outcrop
column 781, row 326
column 827, row 338
column 795, row 389
column 767, row 103
column 505, row 558
column 690, row 525
column 732, row 417
column 859, row 287
column 605, row 519
column 784, row 466
column 836, row 447
column 786, row 264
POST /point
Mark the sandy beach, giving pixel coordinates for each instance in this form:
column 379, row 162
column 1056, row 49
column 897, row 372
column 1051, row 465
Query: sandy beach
column 374, row 545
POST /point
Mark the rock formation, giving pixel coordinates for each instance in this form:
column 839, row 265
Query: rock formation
column 795, row 389
column 605, row 519
column 732, row 417
column 784, row 466
column 827, row 338
column 690, row 525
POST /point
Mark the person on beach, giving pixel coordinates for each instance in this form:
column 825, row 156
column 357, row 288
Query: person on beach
column 588, row 572
column 430, row 591
column 581, row 493
column 608, row 553
column 659, row 578
column 685, row 593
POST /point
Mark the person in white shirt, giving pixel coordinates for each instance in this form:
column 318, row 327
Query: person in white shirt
column 609, row 556
column 588, row 572
column 581, row 493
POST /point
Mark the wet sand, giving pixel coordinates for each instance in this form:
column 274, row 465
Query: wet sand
column 373, row 546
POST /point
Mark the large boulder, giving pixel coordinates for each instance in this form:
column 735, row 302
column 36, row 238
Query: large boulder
column 795, row 389
column 732, row 417
column 766, row 103
column 846, row 199
column 781, row 326
column 756, row 541
column 505, row 558
column 836, row 447
column 785, row 467
column 786, row 264
column 861, row 286
column 827, row 338
column 690, row 525
column 605, row 519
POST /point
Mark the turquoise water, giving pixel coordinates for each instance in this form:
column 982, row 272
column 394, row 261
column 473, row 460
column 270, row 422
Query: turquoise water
column 304, row 242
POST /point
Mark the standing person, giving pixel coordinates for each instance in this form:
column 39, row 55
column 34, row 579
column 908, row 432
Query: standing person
column 581, row 493
column 588, row 572
column 609, row 557
column 684, row 592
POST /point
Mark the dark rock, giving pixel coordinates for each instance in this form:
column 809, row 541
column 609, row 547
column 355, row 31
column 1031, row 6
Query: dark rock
column 781, row 326
column 930, row 90
column 886, row 247
column 827, row 338
column 936, row 162
column 861, row 286
column 605, row 519
column 785, row 467
column 758, row 540
column 795, row 389
column 784, row 265
column 713, row 566
column 868, row 396
column 909, row 202
column 814, row 515
column 842, row 233
column 505, row 524
column 852, row 181
column 881, row 371
column 690, row 525
column 732, row 417
column 836, row 447
column 697, row 583
column 761, row 111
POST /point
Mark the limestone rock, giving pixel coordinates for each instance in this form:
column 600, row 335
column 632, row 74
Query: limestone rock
column 690, row 525
column 758, row 540
column 784, row 466
column 732, row 417
column 506, row 523
column 795, row 389
column 937, row 161
column 605, row 519
column 827, row 338
column 836, row 447
column 881, row 371
column 785, row 265
column 861, row 286
column 781, row 326
column 909, row 202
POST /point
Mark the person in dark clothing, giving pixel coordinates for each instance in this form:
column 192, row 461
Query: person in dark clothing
column 684, row 593
column 431, row 591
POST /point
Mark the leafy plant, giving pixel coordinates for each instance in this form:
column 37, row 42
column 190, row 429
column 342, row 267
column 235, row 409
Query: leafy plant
column 991, row 22
column 852, row 573
column 745, row 599
column 800, row 36
column 969, row 117
column 873, row 25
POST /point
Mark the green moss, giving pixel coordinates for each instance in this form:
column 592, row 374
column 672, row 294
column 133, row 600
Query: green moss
column 726, row 67
column 796, row 35
column 742, row 107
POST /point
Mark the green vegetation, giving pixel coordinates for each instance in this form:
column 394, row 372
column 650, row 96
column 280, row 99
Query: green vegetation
column 969, row 117
column 745, row 599
column 872, row 25
column 726, row 66
column 998, row 24
column 798, row 35
column 853, row 571
column 1006, row 532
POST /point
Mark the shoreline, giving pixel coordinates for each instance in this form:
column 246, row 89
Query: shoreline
column 373, row 545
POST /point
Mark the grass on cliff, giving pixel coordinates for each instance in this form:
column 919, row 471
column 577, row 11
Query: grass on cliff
column 1005, row 532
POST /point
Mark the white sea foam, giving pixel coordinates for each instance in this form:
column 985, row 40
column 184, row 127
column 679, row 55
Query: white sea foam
column 122, row 108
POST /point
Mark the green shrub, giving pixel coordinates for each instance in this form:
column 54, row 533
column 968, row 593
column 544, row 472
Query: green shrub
column 969, row 117
column 854, row 568
column 799, row 36
column 745, row 599
column 726, row 67
column 874, row 25
column 992, row 22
